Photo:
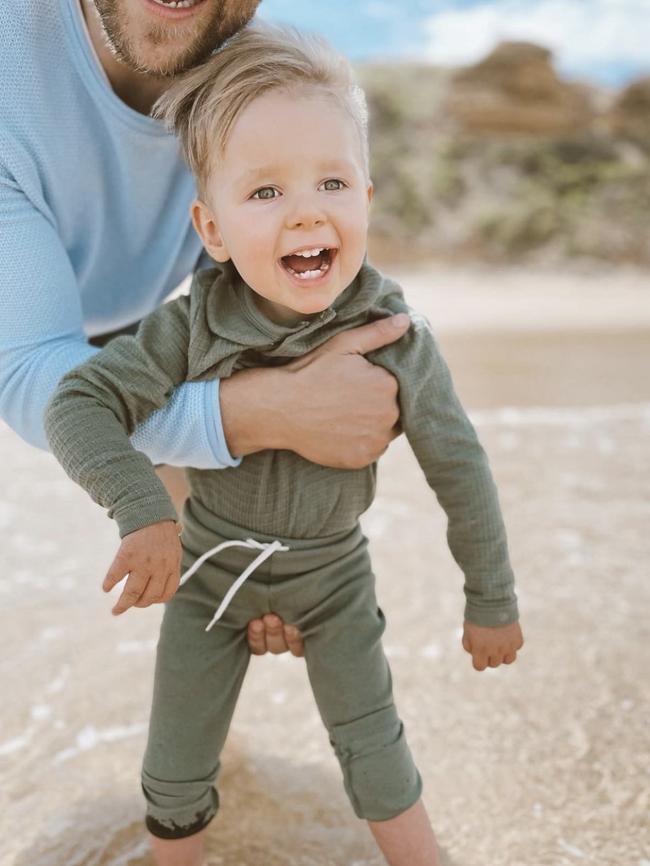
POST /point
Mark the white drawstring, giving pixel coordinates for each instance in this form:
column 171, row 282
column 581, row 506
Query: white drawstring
column 267, row 549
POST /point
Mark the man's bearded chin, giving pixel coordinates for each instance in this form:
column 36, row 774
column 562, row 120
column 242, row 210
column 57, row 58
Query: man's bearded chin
column 157, row 52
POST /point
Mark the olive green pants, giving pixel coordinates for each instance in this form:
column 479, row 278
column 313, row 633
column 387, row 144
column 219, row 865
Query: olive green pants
column 325, row 587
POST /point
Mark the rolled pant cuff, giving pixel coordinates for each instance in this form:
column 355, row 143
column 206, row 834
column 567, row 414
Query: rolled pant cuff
column 179, row 809
column 170, row 830
column 379, row 774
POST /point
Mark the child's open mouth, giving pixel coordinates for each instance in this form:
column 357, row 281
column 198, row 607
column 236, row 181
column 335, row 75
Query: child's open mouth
column 309, row 264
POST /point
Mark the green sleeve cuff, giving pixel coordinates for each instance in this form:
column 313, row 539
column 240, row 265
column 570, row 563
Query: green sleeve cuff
column 496, row 615
column 136, row 515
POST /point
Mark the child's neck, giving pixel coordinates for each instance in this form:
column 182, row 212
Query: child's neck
column 279, row 314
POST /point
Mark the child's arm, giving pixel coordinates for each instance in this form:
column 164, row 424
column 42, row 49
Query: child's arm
column 456, row 468
column 98, row 404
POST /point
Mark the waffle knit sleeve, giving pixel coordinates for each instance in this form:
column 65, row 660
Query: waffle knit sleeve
column 456, row 468
column 97, row 405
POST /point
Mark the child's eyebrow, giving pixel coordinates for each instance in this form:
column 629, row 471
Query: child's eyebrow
column 267, row 172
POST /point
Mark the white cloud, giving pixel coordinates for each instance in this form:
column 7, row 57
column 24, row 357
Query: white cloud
column 581, row 33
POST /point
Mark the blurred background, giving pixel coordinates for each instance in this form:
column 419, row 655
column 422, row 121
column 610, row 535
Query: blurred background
column 501, row 129
column 510, row 145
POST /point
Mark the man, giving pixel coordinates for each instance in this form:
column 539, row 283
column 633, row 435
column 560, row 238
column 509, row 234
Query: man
column 78, row 259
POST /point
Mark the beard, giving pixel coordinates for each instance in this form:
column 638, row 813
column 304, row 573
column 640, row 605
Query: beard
column 160, row 50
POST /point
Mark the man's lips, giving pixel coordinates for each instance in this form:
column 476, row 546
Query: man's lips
column 171, row 11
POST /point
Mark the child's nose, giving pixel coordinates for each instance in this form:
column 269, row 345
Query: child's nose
column 306, row 214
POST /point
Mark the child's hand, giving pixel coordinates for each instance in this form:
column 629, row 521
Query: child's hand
column 151, row 556
column 492, row 645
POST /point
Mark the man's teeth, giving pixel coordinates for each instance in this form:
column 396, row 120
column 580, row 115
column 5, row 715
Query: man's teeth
column 178, row 4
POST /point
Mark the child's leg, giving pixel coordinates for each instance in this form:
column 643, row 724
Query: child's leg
column 408, row 839
column 352, row 684
column 179, row 852
column 197, row 682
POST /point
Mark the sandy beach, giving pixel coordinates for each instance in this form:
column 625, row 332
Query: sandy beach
column 543, row 763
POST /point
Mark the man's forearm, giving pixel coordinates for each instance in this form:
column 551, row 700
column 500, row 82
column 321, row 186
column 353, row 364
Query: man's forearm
column 253, row 410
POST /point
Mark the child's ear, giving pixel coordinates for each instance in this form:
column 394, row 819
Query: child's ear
column 207, row 229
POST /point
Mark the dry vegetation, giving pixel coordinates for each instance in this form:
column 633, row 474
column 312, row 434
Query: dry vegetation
column 505, row 160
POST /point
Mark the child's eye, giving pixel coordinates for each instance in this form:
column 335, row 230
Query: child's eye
column 264, row 193
column 333, row 184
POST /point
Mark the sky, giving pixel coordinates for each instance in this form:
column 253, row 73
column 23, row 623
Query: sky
column 607, row 41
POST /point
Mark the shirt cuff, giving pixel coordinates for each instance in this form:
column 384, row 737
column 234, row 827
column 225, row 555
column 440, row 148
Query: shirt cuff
column 216, row 436
column 137, row 515
column 503, row 614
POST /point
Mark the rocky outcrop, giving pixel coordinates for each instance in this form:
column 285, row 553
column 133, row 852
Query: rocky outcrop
column 629, row 116
column 515, row 90
column 506, row 161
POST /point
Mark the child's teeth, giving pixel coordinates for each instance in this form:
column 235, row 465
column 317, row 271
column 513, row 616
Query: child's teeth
column 310, row 275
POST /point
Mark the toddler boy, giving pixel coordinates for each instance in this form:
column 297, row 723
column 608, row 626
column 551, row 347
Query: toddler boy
column 275, row 131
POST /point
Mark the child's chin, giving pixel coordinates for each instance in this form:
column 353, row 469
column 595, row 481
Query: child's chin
column 313, row 309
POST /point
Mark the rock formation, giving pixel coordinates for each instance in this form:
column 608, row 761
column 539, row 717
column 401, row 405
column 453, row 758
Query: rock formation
column 629, row 117
column 515, row 89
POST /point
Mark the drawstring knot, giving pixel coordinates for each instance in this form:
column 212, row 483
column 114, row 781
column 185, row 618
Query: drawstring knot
column 267, row 549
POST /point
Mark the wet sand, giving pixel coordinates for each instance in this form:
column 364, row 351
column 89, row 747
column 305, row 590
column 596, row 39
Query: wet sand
column 543, row 763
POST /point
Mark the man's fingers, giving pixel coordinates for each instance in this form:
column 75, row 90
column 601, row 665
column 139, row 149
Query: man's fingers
column 270, row 634
column 133, row 589
column 367, row 338
column 256, row 635
column 275, row 640
column 294, row 641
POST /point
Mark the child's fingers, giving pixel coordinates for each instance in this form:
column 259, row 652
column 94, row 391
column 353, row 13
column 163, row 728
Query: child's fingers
column 153, row 591
column 133, row 589
column 118, row 570
column 171, row 585
column 156, row 591
column 479, row 661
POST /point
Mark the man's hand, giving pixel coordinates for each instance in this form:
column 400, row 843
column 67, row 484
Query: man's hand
column 151, row 556
column 271, row 634
column 331, row 406
column 492, row 646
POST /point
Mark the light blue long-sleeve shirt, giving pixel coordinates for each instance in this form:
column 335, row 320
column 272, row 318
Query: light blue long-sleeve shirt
column 94, row 228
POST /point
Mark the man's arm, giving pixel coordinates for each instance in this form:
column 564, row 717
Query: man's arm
column 456, row 468
column 41, row 339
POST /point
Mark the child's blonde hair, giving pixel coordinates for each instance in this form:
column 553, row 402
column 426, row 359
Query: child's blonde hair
column 202, row 105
